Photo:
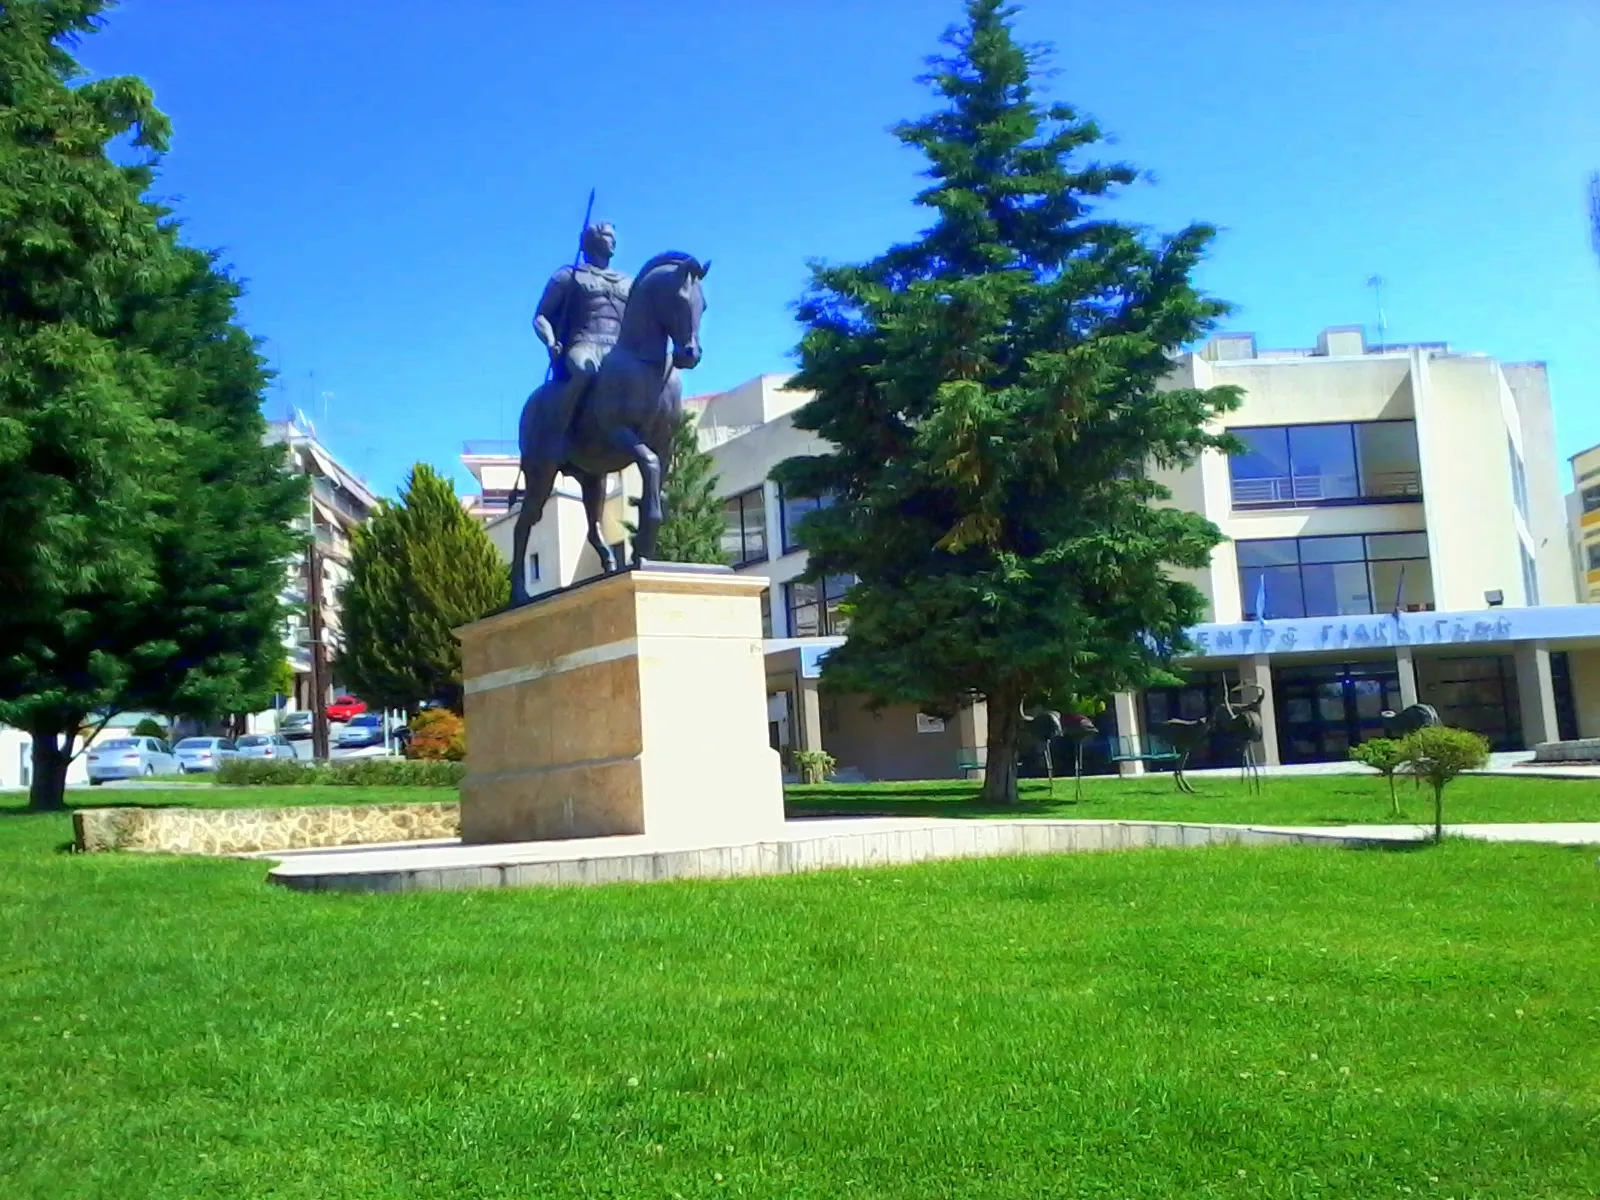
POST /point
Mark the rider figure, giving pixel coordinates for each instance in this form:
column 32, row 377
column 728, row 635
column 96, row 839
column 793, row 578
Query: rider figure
column 579, row 320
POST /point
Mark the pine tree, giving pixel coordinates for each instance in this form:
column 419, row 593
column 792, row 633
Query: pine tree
column 146, row 526
column 419, row 569
column 992, row 393
column 691, row 528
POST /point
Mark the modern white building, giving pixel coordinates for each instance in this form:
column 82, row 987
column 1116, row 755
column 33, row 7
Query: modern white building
column 1583, row 519
column 337, row 502
column 1396, row 533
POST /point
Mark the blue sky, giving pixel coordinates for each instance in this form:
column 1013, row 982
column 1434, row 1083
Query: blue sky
column 396, row 180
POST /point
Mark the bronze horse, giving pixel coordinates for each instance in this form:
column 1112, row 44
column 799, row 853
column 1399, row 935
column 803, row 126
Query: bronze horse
column 626, row 419
column 1237, row 716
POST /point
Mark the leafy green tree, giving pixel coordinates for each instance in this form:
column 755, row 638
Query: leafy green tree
column 1385, row 756
column 419, row 569
column 1438, row 754
column 993, row 393
column 144, row 523
column 691, row 528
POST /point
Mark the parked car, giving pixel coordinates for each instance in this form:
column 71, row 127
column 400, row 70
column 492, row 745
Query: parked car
column 365, row 729
column 296, row 725
column 345, row 707
column 130, row 758
column 266, row 745
column 203, row 753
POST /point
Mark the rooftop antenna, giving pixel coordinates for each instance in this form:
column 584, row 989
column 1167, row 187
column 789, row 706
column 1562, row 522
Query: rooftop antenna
column 1376, row 283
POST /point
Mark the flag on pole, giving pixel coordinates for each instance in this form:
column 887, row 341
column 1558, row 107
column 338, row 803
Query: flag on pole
column 1399, row 589
column 1261, row 596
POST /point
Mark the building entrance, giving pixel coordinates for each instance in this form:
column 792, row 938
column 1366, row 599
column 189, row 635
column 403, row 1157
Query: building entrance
column 1326, row 708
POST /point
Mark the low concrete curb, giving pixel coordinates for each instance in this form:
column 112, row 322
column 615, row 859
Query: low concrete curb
column 803, row 846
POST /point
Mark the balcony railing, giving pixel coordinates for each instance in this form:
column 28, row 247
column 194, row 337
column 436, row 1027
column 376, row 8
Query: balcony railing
column 1327, row 489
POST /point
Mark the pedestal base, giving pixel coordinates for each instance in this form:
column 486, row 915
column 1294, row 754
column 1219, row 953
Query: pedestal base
column 632, row 704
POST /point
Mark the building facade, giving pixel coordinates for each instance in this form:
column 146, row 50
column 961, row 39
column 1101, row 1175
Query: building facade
column 1583, row 518
column 338, row 501
column 1395, row 533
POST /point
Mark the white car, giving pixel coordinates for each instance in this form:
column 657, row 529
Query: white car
column 266, row 745
column 203, row 753
column 130, row 758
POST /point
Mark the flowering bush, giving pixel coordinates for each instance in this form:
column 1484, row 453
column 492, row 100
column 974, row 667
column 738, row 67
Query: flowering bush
column 437, row 735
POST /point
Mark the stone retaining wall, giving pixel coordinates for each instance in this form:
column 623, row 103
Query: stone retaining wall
column 222, row 831
column 1582, row 750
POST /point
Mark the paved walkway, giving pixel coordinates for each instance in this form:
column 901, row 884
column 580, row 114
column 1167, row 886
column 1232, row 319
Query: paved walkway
column 818, row 844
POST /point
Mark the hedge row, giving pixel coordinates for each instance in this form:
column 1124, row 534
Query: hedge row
column 352, row 772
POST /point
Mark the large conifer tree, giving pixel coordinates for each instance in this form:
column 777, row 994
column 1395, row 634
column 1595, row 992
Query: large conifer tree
column 691, row 527
column 991, row 391
column 144, row 530
column 419, row 569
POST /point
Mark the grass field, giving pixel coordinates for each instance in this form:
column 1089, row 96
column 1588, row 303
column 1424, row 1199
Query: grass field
column 1284, row 800
column 1215, row 1023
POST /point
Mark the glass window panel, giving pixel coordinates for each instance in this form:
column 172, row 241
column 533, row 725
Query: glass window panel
column 1387, row 452
column 1323, row 461
column 1282, row 592
column 755, row 525
column 733, row 530
column 1591, row 499
column 1267, row 552
column 804, row 611
column 1594, row 557
column 1331, row 550
column 1410, row 581
column 1397, row 545
column 1261, row 474
column 1336, row 589
column 793, row 509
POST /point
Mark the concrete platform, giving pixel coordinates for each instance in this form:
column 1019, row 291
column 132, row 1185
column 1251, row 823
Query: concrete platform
column 804, row 845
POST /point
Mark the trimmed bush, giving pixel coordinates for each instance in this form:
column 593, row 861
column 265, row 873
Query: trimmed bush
column 1440, row 753
column 149, row 727
column 437, row 735
column 1385, row 756
column 349, row 772
column 263, row 772
column 393, row 772
column 815, row 765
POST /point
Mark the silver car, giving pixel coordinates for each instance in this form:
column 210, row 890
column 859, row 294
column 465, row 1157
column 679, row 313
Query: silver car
column 203, row 753
column 130, row 758
column 266, row 745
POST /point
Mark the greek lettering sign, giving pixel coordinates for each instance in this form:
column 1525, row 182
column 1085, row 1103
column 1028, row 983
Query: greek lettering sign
column 1351, row 633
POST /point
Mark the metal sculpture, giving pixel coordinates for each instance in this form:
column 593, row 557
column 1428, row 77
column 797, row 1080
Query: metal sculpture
column 1042, row 727
column 614, row 397
column 1237, row 716
column 1408, row 720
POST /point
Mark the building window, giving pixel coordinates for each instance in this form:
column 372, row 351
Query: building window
column 790, row 510
column 1301, row 465
column 766, row 613
column 1334, row 576
column 1530, row 575
column 533, row 567
column 1591, row 499
column 1594, row 557
column 1519, row 481
column 744, row 528
column 814, row 607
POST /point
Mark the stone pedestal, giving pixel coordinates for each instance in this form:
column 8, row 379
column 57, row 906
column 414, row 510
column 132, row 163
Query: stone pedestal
column 631, row 704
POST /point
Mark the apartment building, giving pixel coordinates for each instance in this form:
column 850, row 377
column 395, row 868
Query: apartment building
column 1583, row 519
column 1396, row 533
column 338, row 500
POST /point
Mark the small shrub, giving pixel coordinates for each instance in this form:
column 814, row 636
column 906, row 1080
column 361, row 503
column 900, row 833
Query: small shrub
column 815, row 765
column 1440, row 753
column 149, row 727
column 264, row 772
column 394, row 772
column 437, row 735
column 1385, row 756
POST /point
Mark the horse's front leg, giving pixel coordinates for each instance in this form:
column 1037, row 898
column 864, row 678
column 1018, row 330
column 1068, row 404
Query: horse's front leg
column 649, row 464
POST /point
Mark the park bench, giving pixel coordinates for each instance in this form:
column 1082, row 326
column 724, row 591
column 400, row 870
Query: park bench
column 1150, row 749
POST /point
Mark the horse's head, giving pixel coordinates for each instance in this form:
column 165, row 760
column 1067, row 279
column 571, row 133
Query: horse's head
column 673, row 283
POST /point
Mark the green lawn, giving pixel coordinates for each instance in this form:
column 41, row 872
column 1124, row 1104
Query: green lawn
column 1284, row 800
column 1229, row 1022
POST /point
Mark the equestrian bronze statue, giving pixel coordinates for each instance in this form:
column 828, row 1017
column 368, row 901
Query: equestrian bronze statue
column 614, row 396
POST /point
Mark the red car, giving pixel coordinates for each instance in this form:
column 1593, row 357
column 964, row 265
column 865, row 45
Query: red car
column 345, row 707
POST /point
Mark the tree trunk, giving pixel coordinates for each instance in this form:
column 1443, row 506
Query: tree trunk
column 48, row 790
column 1000, row 765
column 1438, row 812
column 1394, row 798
